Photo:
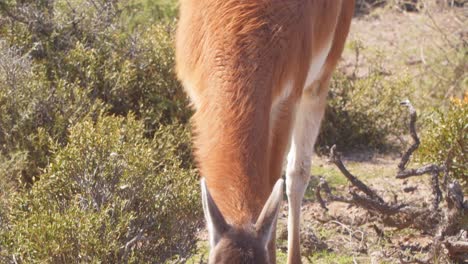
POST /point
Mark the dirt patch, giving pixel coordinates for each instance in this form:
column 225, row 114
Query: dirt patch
column 349, row 231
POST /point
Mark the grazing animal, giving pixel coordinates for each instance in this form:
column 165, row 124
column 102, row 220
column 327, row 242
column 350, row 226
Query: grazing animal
column 257, row 73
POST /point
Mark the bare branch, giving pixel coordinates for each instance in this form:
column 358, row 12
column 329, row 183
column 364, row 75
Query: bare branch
column 447, row 164
column 356, row 199
column 323, row 185
column 414, row 135
column 336, row 159
column 371, row 204
column 433, row 169
column 319, row 196
column 402, row 215
column 457, row 246
column 430, row 168
column 436, row 190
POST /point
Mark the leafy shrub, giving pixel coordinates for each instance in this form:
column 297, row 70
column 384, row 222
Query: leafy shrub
column 146, row 12
column 35, row 112
column 111, row 195
column 10, row 171
column 89, row 43
column 131, row 73
column 363, row 112
column 111, row 189
column 63, row 60
column 447, row 139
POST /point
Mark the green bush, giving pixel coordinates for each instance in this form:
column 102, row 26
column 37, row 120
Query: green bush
column 101, row 188
column 35, row 112
column 10, row 171
column 63, row 60
column 131, row 73
column 446, row 139
column 112, row 196
column 145, row 12
column 363, row 112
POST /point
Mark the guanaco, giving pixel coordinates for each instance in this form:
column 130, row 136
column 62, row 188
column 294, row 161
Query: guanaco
column 257, row 73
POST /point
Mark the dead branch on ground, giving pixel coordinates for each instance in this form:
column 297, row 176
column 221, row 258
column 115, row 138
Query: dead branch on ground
column 446, row 223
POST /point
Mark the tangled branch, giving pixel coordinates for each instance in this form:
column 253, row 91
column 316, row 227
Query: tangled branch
column 401, row 215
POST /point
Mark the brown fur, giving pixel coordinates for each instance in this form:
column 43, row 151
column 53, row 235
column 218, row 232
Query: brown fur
column 234, row 58
column 239, row 246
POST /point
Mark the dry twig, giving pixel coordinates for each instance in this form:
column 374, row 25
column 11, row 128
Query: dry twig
column 414, row 135
column 433, row 169
column 336, row 159
column 425, row 219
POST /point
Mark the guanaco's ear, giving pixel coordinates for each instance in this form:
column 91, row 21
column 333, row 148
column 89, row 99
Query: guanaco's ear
column 267, row 219
column 215, row 220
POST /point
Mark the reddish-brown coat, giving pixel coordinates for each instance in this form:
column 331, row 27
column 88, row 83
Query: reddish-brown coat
column 234, row 58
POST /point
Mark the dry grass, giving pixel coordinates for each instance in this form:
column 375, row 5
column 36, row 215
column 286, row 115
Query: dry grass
column 429, row 47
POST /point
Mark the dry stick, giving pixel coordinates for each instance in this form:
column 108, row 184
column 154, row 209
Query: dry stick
column 381, row 207
column 436, row 190
column 456, row 247
column 447, row 164
column 319, row 196
column 417, row 172
column 336, row 159
column 373, row 201
column 450, row 225
column 414, row 135
column 454, row 197
column 356, row 199
column 433, row 169
column 324, row 185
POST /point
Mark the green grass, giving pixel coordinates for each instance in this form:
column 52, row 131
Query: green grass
column 327, row 257
column 281, row 257
column 201, row 256
column 365, row 171
column 331, row 174
column 325, row 233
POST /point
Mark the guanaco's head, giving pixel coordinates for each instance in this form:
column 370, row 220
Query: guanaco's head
column 247, row 244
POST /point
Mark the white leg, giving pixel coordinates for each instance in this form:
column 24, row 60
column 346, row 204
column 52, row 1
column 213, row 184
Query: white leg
column 306, row 128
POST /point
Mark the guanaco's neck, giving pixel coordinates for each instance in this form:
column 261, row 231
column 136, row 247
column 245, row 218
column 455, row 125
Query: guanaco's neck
column 235, row 59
